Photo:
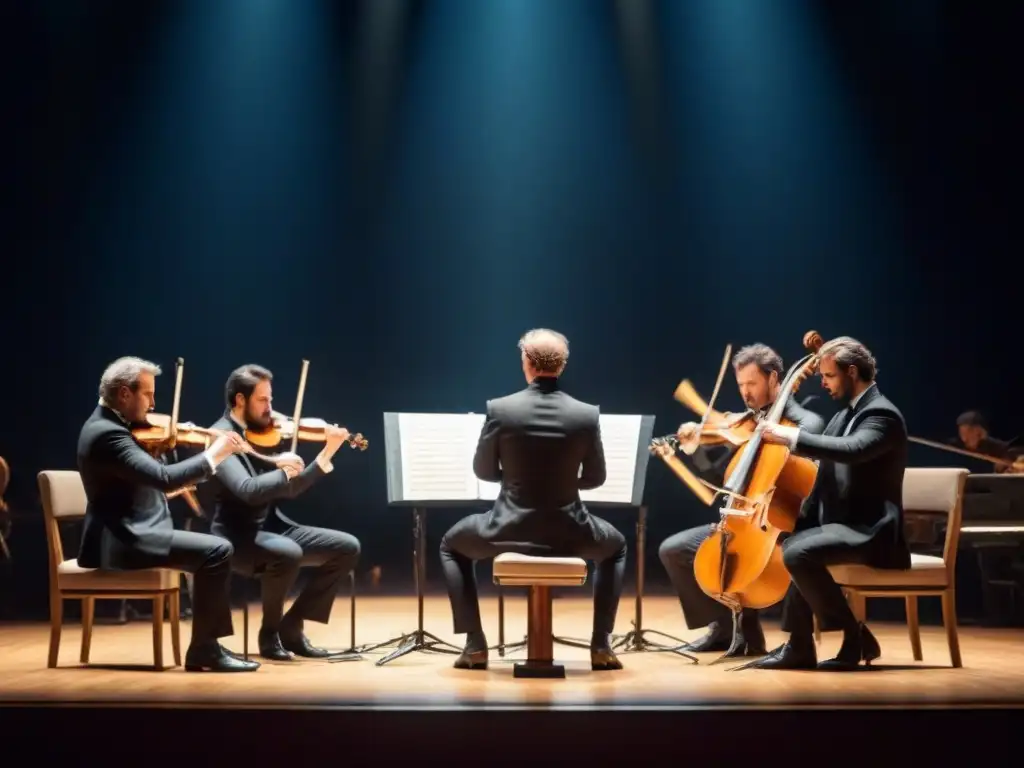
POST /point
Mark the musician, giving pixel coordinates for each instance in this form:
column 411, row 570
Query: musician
column 267, row 542
column 127, row 522
column 972, row 428
column 854, row 514
column 759, row 371
column 544, row 447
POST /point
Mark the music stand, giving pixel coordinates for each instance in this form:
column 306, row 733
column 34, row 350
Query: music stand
column 429, row 464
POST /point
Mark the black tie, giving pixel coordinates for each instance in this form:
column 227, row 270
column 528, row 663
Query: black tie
column 844, row 420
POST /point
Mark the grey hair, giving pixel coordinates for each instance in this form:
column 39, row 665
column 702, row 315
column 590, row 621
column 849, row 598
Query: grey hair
column 847, row 351
column 547, row 350
column 124, row 372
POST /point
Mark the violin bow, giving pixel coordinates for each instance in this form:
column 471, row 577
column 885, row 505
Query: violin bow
column 718, row 386
column 298, row 403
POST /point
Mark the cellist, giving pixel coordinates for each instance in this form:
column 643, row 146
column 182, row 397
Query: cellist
column 759, row 371
column 854, row 514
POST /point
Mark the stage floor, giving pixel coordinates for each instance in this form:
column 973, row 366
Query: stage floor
column 993, row 672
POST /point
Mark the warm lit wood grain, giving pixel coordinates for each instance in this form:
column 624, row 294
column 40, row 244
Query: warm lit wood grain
column 993, row 666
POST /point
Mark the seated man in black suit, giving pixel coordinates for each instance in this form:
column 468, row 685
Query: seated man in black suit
column 759, row 372
column 127, row 520
column 535, row 442
column 854, row 514
column 266, row 541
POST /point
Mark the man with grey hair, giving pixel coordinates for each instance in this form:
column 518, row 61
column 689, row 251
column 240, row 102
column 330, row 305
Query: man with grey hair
column 127, row 520
column 854, row 514
column 544, row 447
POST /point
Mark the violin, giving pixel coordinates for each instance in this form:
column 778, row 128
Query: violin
column 740, row 563
column 295, row 429
column 310, row 430
column 161, row 433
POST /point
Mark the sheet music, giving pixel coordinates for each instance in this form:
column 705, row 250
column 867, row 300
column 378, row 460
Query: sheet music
column 485, row 490
column 437, row 455
column 437, row 458
column 620, row 435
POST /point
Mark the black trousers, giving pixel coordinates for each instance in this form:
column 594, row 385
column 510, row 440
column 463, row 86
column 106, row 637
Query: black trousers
column 813, row 592
column 477, row 538
column 277, row 557
column 677, row 554
column 208, row 558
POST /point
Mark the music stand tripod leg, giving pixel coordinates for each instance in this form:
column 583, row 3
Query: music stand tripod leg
column 420, row 640
column 635, row 641
column 353, row 652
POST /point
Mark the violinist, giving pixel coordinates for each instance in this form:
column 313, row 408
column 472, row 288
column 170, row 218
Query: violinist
column 973, row 435
column 268, row 543
column 854, row 514
column 759, row 370
column 127, row 522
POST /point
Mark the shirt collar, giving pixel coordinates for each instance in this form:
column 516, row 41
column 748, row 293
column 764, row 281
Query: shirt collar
column 858, row 398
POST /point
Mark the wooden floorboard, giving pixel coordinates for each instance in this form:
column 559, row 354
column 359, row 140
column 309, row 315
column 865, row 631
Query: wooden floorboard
column 993, row 672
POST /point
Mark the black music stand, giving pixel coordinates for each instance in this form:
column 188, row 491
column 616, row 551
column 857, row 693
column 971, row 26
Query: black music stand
column 419, row 639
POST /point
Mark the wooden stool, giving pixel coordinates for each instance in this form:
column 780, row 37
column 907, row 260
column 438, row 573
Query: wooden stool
column 539, row 574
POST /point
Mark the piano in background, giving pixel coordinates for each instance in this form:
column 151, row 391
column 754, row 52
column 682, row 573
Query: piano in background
column 993, row 528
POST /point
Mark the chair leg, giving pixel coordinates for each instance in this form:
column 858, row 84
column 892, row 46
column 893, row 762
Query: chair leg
column 949, row 622
column 352, row 610
column 540, row 639
column 859, row 605
column 245, row 630
column 158, row 631
column 501, row 621
column 914, row 627
column 174, row 603
column 88, row 612
column 56, row 620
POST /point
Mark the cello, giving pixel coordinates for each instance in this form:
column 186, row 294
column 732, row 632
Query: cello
column 740, row 563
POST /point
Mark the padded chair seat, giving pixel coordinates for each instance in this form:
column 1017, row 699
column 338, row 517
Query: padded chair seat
column 526, row 570
column 925, row 571
column 72, row 576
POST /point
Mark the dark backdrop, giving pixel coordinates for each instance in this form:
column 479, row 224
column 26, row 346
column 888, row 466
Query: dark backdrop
column 397, row 190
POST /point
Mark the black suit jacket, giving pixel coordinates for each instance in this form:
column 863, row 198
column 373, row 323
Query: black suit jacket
column 244, row 491
column 126, row 488
column 711, row 461
column 860, row 476
column 544, row 447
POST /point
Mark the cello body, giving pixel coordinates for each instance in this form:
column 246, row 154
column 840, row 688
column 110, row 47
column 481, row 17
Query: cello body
column 740, row 563
column 743, row 557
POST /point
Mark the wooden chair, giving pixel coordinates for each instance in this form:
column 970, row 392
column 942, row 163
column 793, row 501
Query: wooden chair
column 539, row 574
column 926, row 491
column 63, row 497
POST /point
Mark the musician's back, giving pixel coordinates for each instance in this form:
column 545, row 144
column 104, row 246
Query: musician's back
column 543, row 445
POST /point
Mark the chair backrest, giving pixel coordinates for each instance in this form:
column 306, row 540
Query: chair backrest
column 937, row 491
column 63, row 496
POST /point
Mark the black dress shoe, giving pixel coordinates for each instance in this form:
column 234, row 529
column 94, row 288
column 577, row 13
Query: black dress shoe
column 271, row 647
column 301, row 646
column 216, row 659
column 786, row 656
column 470, row 659
column 714, row 640
column 604, row 659
column 857, row 647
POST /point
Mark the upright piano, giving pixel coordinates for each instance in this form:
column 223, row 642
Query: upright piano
column 992, row 527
